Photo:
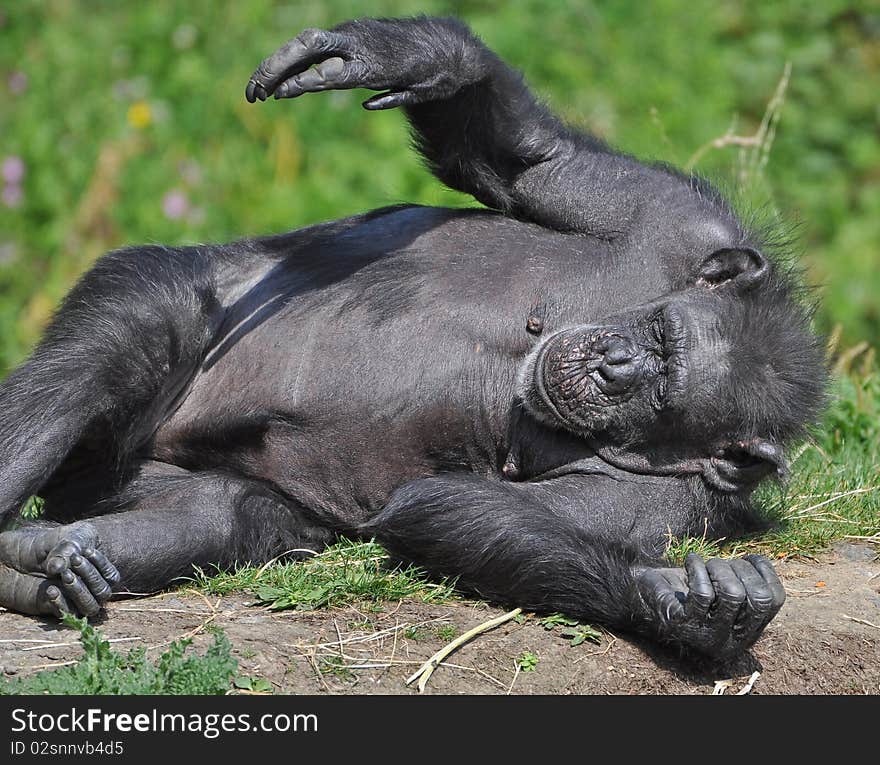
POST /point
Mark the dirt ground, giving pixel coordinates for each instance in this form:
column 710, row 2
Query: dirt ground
column 826, row 640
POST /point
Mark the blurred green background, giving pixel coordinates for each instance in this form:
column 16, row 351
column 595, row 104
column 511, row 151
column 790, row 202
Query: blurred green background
column 125, row 122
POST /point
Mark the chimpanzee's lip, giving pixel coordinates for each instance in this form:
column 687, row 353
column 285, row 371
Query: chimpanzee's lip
column 572, row 418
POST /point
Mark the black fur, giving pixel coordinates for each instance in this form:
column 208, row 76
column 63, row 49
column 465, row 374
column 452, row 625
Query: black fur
column 531, row 399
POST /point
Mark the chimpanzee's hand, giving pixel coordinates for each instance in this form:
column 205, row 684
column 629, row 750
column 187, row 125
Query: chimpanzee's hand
column 414, row 60
column 55, row 570
column 718, row 608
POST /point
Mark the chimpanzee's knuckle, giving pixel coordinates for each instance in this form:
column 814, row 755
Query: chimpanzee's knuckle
column 761, row 599
column 312, row 38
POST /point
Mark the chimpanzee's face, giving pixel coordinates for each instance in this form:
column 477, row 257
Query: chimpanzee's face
column 688, row 383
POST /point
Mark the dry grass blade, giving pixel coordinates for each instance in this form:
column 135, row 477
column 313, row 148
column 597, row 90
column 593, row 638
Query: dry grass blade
column 754, row 149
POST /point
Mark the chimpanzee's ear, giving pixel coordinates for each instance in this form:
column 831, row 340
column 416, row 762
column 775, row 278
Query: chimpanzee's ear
column 743, row 265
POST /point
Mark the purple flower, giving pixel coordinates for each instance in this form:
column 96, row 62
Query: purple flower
column 175, row 204
column 12, row 195
column 8, row 251
column 18, row 82
column 13, row 170
column 184, row 36
column 190, row 172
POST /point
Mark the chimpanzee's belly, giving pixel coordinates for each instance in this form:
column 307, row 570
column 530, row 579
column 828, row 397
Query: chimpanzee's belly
column 346, row 370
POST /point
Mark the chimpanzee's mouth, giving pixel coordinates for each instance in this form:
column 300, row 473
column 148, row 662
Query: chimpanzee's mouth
column 585, row 373
column 584, row 370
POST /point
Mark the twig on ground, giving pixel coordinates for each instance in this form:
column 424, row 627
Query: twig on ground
column 369, row 637
column 195, row 630
column 77, row 642
column 722, row 685
column 850, row 618
column 747, row 688
column 873, row 540
column 427, row 669
column 364, row 663
column 187, row 611
column 314, row 663
column 51, row 665
column 516, row 672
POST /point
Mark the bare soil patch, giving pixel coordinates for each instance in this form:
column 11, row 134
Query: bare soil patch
column 826, row 640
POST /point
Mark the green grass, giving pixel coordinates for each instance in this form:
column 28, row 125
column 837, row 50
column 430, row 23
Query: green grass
column 833, row 491
column 345, row 573
column 103, row 671
column 113, row 106
column 152, row 106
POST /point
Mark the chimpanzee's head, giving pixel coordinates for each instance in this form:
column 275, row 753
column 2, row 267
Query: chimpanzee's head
column 712, row 379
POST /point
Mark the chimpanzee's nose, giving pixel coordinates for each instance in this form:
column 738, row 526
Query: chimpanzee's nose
column 620, row 364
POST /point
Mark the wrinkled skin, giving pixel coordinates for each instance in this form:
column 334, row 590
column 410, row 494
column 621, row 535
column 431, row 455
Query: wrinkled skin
column 531, row 400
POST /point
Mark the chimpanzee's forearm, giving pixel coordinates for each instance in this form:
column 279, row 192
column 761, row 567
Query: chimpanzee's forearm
column 582, row 545
column 475, row 121
column 167, row 522
column 493, row 139
column 505, row 542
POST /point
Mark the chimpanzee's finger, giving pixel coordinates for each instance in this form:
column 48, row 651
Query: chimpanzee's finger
column 58, row 559
column 55, row 601
column 701, row 593
column 104, row 566
column 660, row 595
column 30, row 594
column 730, row 593
column 765, row 568
column 295, row 56
column 759, row 598
column 96, row 584
column 331, row 74
column 390, row 100
column 76, row 590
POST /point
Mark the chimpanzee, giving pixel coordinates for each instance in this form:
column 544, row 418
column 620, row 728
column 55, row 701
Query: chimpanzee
column 532, row 398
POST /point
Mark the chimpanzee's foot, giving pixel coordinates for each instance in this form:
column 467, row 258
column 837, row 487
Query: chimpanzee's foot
column 55, row 570
column 414, row 60
column 718, row 608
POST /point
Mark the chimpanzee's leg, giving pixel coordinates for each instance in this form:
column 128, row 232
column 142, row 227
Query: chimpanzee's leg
column 168, row 521
column 585, row 546
column 121, row 348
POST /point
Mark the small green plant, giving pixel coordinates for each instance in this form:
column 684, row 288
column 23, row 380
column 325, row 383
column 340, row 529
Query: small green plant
column 447, row 632
column 103, row 671
column 254, row 684
column 335, row 665
column 527, row 661
column 414, row 633
column 575, row 632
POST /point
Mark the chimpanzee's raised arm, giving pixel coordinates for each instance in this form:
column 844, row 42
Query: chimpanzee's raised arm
column 479, row 127
column 586, row 546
